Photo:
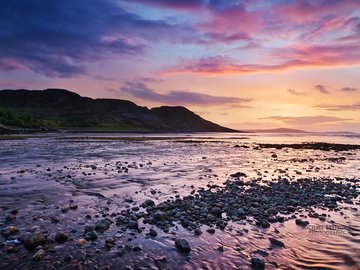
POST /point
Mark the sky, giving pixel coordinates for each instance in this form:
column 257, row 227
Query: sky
column 244, row 64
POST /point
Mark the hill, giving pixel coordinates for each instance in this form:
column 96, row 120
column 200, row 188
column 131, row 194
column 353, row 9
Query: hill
column 62, row 109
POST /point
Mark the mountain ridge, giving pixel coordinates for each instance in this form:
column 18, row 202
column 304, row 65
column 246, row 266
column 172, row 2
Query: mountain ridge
column 56, row 108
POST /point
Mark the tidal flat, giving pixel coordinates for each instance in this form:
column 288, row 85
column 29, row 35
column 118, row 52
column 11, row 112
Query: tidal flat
column 188, row 201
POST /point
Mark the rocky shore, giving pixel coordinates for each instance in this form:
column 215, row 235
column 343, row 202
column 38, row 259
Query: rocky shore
column 144, row 231
column 260, row 204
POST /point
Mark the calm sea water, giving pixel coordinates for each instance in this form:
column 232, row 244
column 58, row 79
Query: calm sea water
column 41, row 173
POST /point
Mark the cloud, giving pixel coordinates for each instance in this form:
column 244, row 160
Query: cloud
column 322, row 89
column 59, row 38
column 344, row 107
column 62, row 38
column 305, row 120
column 175, row 4
column 140, row 90
column 292, row 58
column 349, row 89
column 296, row 93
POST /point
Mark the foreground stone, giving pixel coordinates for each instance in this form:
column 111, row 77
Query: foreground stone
column 257, row 263
column 38, row 255
column 182, row 245
column 61, row 237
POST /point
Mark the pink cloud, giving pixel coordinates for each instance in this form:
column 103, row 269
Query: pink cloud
column 298, row 56
column 301, row 11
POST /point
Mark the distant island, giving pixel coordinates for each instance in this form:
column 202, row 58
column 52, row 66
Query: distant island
column 278, row 130
column 60, row 109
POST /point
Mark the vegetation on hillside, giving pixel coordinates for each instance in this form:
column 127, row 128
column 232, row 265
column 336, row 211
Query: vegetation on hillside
column 13, row 119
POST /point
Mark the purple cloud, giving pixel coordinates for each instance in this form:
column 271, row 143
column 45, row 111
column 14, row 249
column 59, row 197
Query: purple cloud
column 59, row 38
column 322, row 89
column 295, row 93
column 349, row 89
column 140, row 90
column 344, row 107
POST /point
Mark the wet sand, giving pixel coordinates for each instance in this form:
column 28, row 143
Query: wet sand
column 179, row 202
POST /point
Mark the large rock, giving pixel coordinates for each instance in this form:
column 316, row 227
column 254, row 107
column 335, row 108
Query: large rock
column 61, row 237
column 182, row 245
column 102, row 225
column 276, row 242
column 257, row 263
column 301, row 222
column 34, row 240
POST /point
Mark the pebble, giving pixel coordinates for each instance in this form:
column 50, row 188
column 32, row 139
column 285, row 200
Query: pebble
column 301, row 222
column 102, row 225
column 153, row 233
column 148, row 202
column 55, row 219
column 276, row 242
column 38, row 255
column 61, row 237
column 134, row 225
column 257, row 263
column 35, row 240
column 182, row 245
column 65, row 208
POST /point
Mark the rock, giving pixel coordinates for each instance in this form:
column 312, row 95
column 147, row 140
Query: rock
column 61, row 237
column 137, row 248
column 38, row 255
column 134, row 225
column 102, row 225
column 301, row 222
column 238, row 174
column 185, row 223
column 274, row 156
column 11, row 230
column 91, row 236
column 210, row 218
column 55, row 219
column 241, row 212
column 159, row 215
column 197, row 231
column 220, row 249
column 263, row 223
column 148, row 203
column 110, row 242
column 276, row 242
column 37, row 239
column 257, row 263
column 216, row 211
column 152, row 232
column 129, row 200
column 182, row 245
column 211, row 231
column 81, row 242
column 65, row 208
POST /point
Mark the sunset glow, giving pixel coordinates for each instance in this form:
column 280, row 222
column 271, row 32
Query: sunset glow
column 240, row 63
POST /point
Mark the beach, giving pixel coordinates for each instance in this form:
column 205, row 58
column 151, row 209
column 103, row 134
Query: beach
column 180, row 201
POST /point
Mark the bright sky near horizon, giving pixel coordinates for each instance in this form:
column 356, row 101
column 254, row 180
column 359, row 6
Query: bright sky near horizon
column 245, row 64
